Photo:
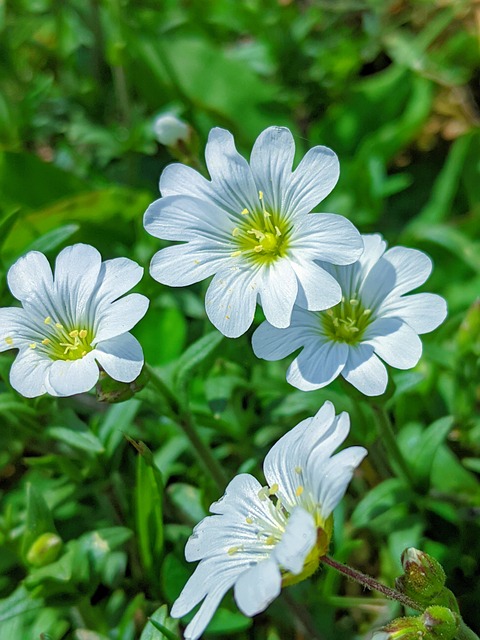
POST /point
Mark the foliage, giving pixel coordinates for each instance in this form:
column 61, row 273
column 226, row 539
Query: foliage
column 392, row 87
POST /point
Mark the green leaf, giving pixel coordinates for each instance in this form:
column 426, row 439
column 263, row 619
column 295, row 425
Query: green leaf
column 423, row 456
column 38, row 519
column 83, row 440
column 158, row 620
column 378, row 501
column 194, row 356
column 53, row 239
column 20, row 601
column 149, row 511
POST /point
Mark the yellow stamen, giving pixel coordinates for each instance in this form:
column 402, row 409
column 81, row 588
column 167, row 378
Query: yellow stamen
column 273, row 489
column 58, row 325
column 298, row 470
column 258, row 248
column 33, row 345
column 270, row 540
column 260, row 195
column 299, row 491
column 245, row 212
column 278, row 232
column 74, row 333
column 84, row 353
column 248, row 520
column 9, row 340
column 47, row 320
column 235, row 232
column 83, row 334
column 46, row 341
column 235, row 254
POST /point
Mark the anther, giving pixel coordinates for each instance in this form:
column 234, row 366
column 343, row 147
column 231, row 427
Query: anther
column 258, row 248
column 244, row 212
column 354, row 302
column 235, row 254
column 58, row 325
column 9, row 340
column 298, row 470
column 235, row 232
column 74, row 333
column 249, row 520
column 47, row 320
column 33, row 345
column 279, row 233
column 273, row 489
column 270, row 540
column 45, row 341
column 233, row 550
column 299, row 491
column 260, row 195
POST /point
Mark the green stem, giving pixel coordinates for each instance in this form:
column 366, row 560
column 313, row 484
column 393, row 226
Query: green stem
column 465, row 633
column 389, row 439
column 185, row 421
column 372, row 584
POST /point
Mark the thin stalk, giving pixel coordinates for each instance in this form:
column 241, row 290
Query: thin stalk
column 465, row 633
column 387, row 434
column 372, row 584
column 301, row 614
column 185, row 421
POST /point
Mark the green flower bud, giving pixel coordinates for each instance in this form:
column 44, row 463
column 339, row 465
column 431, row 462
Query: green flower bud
column 424, row 577
column 440, row 623
column 44, row 550
column 112, row 391
column 408, row 628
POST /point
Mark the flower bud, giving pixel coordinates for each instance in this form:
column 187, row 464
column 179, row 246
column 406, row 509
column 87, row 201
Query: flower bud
column 170, row 130
column 112, row 391
column 44, row 550
column 424, row 577
column 408, row 628
column 440, row 622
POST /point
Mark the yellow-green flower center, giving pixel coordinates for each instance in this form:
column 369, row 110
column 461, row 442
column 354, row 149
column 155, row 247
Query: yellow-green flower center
column 347, row 321
column 64, row 343
column 262, row 235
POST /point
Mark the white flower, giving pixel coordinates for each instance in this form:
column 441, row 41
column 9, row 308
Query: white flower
column 71, row 321
column 169, row 129
column 263, row 538
column 374, row 322
column 250, row 228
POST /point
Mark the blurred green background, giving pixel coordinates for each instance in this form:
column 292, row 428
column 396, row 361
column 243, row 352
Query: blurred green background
column 393, row 87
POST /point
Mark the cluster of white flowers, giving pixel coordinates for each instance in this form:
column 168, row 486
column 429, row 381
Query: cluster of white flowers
column 321, row 285
column 325, row 289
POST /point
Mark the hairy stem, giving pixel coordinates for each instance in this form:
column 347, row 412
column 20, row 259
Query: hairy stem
column 372, row 584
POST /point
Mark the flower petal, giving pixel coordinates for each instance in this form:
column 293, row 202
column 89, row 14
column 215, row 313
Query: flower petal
column 210, row 580
column 179, row 179
column 121, row 357
column 297, row 541
column 395, row 342
column 312, row 180
column 278, row 292
column 11, row 323
column 257, row 587
column 317, row 365
column 116, row 277
column 292, row 450
column 232, row 179
column 424, row 312
column 271, row 343
column 30, row 276
column 317, row 289
column 69, row 377
column 365, row 371
column 271, row 162
column 28, row 373
column 231, row 299
column 188, row 218
column 336, row 475
column 120, row 316
column 327, row 237
column 76, row 273
column 184, row 264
